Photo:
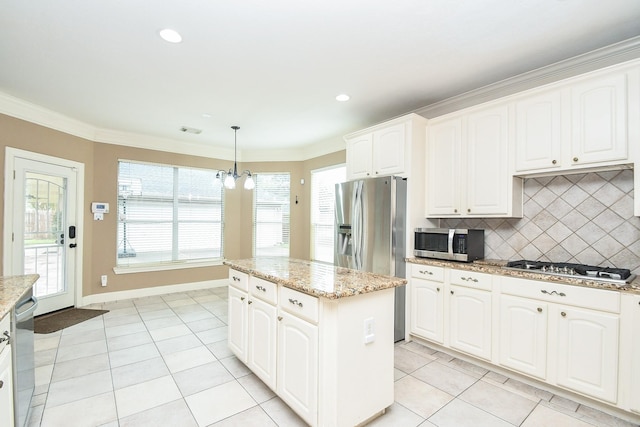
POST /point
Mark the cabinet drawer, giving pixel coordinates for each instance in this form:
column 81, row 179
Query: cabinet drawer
column 428, row 272
column 263, row 289
column 302, row 305
column 238, row 279
column 471, row 279
column 597, row 299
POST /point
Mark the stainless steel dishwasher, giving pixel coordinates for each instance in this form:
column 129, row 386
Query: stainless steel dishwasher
column 23, row 356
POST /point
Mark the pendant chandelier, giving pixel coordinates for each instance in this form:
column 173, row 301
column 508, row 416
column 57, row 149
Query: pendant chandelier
column 231, row 176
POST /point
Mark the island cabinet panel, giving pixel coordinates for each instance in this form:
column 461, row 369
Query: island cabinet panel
column 238, row 323
column 634, row 334
column 298, row 365
column 523, row 335
column 6, row 376
column 262, row 341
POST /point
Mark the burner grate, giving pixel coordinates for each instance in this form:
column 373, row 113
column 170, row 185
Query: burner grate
column 609, row 274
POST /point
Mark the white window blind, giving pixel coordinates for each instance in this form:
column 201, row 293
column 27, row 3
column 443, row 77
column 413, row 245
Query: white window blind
column 168, row 214
column 271, row 214
column 322, row 211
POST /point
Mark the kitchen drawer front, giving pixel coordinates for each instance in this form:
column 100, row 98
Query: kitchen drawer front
column 239, row 280
column 471, row 279
column 302, row 305
column 597, row 299
column 263, row 289
column 427, row 272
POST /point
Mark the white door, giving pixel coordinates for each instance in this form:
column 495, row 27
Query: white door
column 43, row 226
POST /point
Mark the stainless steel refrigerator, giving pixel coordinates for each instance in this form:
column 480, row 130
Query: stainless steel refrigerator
column 371, row 232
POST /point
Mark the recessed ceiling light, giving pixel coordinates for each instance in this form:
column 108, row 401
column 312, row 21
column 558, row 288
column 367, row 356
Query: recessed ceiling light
column 342, row 97
column 171, row 36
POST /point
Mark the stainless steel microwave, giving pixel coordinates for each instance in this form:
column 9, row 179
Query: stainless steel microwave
column 455, row 244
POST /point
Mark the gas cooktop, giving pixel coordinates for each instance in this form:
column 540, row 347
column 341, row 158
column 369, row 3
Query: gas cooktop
column 618, row 276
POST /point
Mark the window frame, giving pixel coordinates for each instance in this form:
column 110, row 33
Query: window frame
column 174, row 263
column 312, row 223
column 255, row 212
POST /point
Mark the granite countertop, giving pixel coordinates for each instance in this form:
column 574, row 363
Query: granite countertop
column 12, row 288
column 315, row 278
column 497, row 267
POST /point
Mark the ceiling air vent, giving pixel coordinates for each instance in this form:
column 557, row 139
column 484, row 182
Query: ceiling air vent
column 190, row 130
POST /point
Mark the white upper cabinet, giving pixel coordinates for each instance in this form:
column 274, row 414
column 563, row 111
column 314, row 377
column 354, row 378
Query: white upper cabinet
column 468, row 170
column 539, row 131
column 599, row 120
column 579, row 123
column 384, row 149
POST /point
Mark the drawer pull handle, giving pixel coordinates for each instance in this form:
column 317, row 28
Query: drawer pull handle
column 261, row 288
column 6, row 337
column 562, row 294
column 295, row 302
column 426, row 272
column 469, row 279
column 539, row 309
column 236, row 279
column 250, row 302
column 563, row 314
column 241, row 298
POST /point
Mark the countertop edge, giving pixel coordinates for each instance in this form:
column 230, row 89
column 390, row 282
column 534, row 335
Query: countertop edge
column 389, row 281
column 497, row 267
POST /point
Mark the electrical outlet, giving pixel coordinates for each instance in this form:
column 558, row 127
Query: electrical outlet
column 369, row 330
column 103, row 280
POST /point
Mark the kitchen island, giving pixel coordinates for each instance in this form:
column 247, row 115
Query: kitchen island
column 320, row 336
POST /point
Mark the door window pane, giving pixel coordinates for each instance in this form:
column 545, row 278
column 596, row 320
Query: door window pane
column 271, row 214
column 322, row 211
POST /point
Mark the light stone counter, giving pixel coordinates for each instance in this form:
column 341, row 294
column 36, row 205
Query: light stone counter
column 315, row 278
column 12, row 288
column 498, row 267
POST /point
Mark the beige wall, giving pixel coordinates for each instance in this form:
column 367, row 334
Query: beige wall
column 100, row 241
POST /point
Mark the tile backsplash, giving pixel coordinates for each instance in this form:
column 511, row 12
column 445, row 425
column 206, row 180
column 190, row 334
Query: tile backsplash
column 582, row 218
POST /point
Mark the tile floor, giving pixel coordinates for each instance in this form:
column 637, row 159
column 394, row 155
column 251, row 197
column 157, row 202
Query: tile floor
column 164, row 361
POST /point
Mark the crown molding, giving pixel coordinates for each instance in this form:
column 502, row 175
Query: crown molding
column 607, row 56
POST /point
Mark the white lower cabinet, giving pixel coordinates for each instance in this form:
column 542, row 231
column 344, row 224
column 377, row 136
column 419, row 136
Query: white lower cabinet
column 634, row 320
column 470, row 321
column 587, row 352
column 298, row 365
column 523, row 335
column 238, row 333
column 427, row 302
column 262, row 341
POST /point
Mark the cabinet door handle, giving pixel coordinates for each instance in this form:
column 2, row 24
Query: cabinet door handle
column 469, row 210
column 295, row 302
column 562, row 294
column 575, row 159
column 279, row 318
column 1, row 383
column 563, row 314
column 250, row 302
column 539, row 309
column 438, row 289
column 469, row 279
column 455, row 211
column 241, row 298
column 425, row 272
column 6, row 337
column 451, row 292
column 261, row 288
column 553, row 162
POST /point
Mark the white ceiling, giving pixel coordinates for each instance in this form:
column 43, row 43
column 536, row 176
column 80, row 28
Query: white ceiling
column 274, row 67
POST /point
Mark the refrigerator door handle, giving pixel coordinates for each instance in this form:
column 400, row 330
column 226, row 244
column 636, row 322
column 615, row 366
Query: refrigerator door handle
column 357, row 225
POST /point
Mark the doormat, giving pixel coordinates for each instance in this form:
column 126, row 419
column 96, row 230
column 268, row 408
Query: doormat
column 52, row 322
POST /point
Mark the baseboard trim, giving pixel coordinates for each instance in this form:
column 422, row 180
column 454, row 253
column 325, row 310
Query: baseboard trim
column 153, row 291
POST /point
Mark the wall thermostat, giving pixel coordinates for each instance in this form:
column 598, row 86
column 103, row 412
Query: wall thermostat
column 99, row 209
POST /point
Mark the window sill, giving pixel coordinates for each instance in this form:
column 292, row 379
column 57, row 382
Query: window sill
column 168, row 266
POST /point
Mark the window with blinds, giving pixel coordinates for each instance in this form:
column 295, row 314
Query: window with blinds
column 168, row 214
column 271, row 218
column 322, row 211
